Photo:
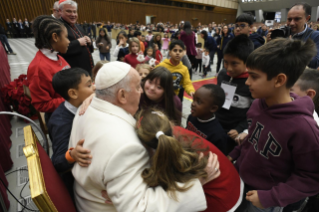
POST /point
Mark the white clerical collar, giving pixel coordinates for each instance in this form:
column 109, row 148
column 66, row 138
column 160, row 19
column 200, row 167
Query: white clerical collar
column 205, row 121
column 51, row 55
column 70, row 107
column 301, row 33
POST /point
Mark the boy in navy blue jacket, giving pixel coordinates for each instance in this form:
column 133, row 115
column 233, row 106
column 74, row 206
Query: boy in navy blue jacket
column 244, row 25
column 206, row 101
column 74, row 85
column 278, row 160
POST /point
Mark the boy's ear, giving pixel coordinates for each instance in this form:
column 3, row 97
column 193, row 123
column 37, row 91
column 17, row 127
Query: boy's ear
column 214, row 108
column 73, row 94
column 311, row 93
column 280, row 80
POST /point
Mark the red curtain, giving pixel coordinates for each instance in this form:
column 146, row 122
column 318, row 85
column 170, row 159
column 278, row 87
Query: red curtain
column 5, row 126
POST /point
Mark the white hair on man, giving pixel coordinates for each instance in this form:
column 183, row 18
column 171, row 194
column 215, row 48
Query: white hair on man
column 110, row 79
column 56, row 5
column 109, row 94
column 70, row 2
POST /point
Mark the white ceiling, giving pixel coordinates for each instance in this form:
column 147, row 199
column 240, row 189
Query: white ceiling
column 273, row 5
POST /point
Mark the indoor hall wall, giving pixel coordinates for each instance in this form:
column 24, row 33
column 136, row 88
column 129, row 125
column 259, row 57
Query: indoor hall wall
column 115, row 11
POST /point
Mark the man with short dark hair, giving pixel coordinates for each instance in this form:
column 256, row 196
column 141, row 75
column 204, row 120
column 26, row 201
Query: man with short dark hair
column 297, row 19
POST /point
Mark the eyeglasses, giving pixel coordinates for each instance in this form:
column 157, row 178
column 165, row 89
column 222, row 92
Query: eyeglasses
column 241, row 26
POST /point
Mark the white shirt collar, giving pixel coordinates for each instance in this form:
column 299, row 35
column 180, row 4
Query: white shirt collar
column 301, row 33
column 50, row 55
column 208, row 120
column 70, row 107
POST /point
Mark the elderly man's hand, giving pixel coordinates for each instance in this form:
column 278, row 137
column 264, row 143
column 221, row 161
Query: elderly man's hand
column 82, row 41
column 212, row 168
column 88, row 40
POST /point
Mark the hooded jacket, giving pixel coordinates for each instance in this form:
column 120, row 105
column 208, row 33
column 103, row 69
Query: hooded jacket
column 181, row 76
column 257, row 40
column 279, row 157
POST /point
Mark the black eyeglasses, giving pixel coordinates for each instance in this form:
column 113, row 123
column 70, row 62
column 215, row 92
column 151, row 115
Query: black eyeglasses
column 241, row 26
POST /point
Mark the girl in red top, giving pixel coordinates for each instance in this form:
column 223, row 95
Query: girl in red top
column 134, row 48
column 174, row 158
column 158, row 54
column 51, row 38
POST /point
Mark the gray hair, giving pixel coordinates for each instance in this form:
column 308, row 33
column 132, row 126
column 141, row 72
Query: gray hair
column 110, row 93
column 56, row 5
column 70, row 2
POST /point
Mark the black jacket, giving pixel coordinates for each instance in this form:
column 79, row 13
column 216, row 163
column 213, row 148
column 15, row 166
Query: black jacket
column 235, row 117
column 257, row 40
column 77, row 55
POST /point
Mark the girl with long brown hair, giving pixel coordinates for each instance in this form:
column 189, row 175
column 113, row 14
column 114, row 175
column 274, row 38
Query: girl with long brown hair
column 171, row 162
column 175, row 159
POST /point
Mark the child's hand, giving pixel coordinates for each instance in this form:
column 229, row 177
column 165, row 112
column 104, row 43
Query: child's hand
column 106, row 197
column 107, row 48
column 240, row 138
column 86, row 104
column 81, row 155
column 233, row 134
column 212, row 168
column 252, row 196
column 230, row 158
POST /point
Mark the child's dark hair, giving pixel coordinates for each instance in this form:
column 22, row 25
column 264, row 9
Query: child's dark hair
column 310, row 80
column 66, row 79
column 203, row 32
column 171, row 162
column 240, row 46
column 150, row 47
column 166, row 82
column 43, row 27
column 137, row 33
column 176, row 43
column 245, row 17
column 106, row 37
column 199, row 45
column 121, row 33
column 282, row 55
column 206, row 49
column 217, row 94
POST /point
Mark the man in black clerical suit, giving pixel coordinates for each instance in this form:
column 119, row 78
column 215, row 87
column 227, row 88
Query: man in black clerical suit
column 80, row 47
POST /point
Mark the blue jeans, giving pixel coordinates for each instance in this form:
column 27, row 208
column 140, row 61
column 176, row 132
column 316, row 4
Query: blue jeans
column 107, row 56
column 5, row 42
column 252, row 208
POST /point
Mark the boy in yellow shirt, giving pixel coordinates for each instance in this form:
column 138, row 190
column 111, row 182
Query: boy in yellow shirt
column 181, row 78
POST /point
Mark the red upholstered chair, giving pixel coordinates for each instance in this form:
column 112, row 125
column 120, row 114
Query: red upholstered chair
column 48, row 191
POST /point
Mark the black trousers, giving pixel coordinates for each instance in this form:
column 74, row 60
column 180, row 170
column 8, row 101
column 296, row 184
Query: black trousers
column 198, row 64
column 220, row 56
column 205, row 70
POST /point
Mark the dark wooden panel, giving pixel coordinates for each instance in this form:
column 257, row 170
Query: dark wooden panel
column 115, row 11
